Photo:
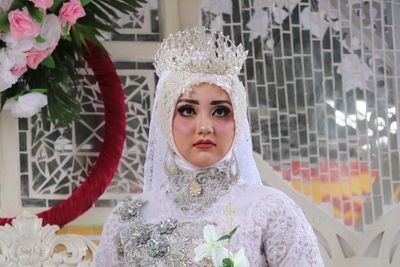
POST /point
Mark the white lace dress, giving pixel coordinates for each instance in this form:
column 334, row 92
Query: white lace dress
column 163, row 226
column 146, row 231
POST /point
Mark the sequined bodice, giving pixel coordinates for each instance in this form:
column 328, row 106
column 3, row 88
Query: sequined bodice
column 167, row 243
column 273, row 231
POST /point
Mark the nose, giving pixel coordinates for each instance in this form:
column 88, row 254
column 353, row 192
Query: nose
column 205, row 124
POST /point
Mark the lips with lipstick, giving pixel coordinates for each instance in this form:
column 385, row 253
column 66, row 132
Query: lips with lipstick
column 204, row 144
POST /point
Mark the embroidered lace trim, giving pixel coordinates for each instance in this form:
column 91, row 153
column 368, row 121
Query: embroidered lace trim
column 288, row 239
column 214, row 181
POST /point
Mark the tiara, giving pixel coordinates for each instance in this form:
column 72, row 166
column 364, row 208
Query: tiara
column 199, row 50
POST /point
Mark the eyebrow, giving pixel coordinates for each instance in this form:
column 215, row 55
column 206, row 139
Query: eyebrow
column 191, row 101
column 217, row 102
column 196, row 102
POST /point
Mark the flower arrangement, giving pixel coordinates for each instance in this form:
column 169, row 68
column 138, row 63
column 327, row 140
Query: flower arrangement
column 213, row 247
column 41, row 43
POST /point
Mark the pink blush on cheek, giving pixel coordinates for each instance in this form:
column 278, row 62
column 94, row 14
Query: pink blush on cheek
column 182, row 126
column 225, row 128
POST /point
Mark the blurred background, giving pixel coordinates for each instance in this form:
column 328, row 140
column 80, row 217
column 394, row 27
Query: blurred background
column 322, row 78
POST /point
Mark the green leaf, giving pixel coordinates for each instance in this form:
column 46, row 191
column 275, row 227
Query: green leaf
column 10, row 92
column 130, row 5
column 60, row 114
column 85, row 2
column 36, row 14
column 56, row 5
column 228, row 236
column 85, row 32
column 38, row 90
column 121, row 6
column 107, row 9
column 67, row 37
column 224, row 237
column 65, row 29
column 40, row 39
column 93, row 22
column 4, row 24
column 227, row 262
column 19, row 93
column 94, row 9
column 233, row 231
column 49, row 62
column 18, row 4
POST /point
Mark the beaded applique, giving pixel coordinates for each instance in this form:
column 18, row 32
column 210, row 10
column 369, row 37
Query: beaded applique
column 167, row 243
column 214, row 182
column 129, row 209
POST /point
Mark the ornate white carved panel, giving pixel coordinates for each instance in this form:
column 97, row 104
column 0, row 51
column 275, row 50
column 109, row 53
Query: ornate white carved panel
column 27, row 244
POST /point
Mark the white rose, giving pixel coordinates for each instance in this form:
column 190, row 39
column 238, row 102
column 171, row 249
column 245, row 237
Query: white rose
column 27, row 105
column 7, row 61
column 6, row 77
column 22, row 45
column 17, row 50
column 18, row 57
column 51, row 32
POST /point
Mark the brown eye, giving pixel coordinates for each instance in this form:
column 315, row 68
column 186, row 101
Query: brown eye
column 186, row 111
column 221, row 112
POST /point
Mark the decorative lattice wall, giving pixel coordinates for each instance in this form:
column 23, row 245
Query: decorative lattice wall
column 323, row 89
column 55, row 161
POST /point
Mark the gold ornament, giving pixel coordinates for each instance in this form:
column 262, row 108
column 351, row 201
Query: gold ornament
column 195, row 188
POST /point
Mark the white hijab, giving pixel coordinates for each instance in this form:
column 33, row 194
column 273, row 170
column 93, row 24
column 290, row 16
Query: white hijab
column 159, row 140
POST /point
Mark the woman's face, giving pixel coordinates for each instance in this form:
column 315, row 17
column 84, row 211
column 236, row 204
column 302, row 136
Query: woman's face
column 203, row 126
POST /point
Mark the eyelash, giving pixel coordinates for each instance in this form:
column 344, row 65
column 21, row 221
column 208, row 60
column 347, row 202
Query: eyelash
column 225, row 110
column 185, row 108
column 192, row 111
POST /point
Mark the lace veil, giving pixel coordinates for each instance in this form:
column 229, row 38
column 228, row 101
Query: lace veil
column 159, row 141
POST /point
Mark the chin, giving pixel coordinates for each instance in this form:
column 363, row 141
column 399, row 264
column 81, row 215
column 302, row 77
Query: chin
column 204, row 161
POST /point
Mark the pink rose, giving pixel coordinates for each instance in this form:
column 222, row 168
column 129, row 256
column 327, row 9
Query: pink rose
column 42, row 4
column 19, row 71
column 35, row 57
column 70, row 12
column 22, row 25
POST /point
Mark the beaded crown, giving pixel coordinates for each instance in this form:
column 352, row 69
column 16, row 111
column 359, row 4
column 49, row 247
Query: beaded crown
column 200, row 50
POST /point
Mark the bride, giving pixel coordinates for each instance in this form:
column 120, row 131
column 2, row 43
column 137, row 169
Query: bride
column 200, row 178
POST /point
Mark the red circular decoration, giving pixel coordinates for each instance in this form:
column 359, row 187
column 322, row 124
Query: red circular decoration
column 114, row 136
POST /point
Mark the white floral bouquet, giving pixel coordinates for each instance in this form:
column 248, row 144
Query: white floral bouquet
column 214, row 249
column 41, row 42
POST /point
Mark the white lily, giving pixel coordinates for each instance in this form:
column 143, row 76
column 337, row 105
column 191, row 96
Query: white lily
column 212, row 248
column 240, row 260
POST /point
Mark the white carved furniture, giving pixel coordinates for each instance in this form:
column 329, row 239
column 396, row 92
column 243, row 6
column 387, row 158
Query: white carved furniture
column 27, row 243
